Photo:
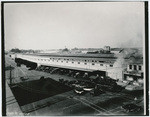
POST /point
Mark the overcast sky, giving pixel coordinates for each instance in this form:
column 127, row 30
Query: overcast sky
column 54, row 25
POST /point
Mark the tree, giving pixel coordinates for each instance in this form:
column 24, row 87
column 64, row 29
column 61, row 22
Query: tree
column 16, row 50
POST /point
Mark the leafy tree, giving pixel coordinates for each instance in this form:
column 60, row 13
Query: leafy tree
column 16, row 50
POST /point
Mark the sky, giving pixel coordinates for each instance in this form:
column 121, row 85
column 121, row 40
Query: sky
column 56, row 25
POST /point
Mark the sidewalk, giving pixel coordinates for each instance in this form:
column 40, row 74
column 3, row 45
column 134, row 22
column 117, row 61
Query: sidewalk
column 12, row 107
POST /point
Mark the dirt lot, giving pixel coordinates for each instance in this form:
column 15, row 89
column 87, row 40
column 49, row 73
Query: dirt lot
column 36, row 90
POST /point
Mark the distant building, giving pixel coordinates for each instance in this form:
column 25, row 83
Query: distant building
column 134, row 70
column 116, row 50
column 107, row 48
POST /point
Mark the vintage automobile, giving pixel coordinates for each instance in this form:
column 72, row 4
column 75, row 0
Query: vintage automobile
column 23, row 78
column 80, row 84
column 134, row 87
column 111, row 88
column 79, row 90
column 96, row 92
column 89, row 87
column 131, row 107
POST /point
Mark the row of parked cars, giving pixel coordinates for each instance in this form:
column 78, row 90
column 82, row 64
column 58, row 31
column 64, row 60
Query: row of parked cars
column 131, row 107
column 81, row 87
column 60, row 71
column 131, row 85
column 95, row 88
column 53, row 70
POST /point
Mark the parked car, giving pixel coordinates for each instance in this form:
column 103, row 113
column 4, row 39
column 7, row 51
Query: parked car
column 97, row 92
column 111, row 88
column 31, row 68
column 46, row 69
column 123, row 83
column 40, row 68
column 133, row 88
column 71, row 83
column 131, row 107
column 79, row 90
column 66, row 82
column 61, row 80
column 89, row 87
column 78, row 83
column 23, row 78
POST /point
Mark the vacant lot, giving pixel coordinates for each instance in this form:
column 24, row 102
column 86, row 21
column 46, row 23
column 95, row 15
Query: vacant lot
column 31, row 91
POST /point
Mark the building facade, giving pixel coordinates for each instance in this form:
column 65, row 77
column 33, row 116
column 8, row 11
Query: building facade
column 135, row 70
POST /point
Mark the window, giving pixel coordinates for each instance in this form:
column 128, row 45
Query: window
column 111, row 65
column 85, row 60
column 72, row 62
column 57, row 60
column 140, row 67
column 142, row 74
column 93, row 64
column 130, row 66
column 66, row 61
column 92, row 61
column 135, row 67
column 101, row 64
column 95, row 61
column 62, row 61
column 85, row 63
column 78, row 62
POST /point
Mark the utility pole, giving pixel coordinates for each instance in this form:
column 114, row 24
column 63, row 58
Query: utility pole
column 106, row 70
column 10, row 76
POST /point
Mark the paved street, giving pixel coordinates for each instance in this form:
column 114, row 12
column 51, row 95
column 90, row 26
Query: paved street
column 69, row 103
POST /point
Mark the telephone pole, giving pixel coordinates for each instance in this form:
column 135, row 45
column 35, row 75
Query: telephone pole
column 10, row 76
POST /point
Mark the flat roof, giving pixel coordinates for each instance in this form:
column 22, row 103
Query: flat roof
column 75, row 55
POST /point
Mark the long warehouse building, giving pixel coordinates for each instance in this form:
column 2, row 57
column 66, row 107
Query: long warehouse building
column 108, row 64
